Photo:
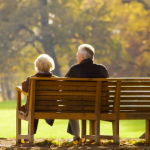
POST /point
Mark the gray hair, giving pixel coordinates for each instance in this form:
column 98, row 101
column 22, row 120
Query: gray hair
column 87, row 50
column 44, row 63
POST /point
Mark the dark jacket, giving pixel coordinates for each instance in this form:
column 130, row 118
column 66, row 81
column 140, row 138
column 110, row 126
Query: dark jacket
column 24, row 108
column 25, row 83
column 87, row 69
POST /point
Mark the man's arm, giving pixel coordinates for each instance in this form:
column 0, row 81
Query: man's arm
column 70, row 73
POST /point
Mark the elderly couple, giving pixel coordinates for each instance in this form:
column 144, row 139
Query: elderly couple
column 84, row 69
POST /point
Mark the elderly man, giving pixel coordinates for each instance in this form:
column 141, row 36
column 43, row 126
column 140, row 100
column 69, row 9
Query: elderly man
column 84, row 69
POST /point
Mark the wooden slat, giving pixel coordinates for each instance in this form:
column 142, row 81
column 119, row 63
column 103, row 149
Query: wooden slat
column 31, row 111
column 134, row 115
column 97, row 111
column 135, row 98
column 108, row 116
column 65, row 93
column 92, row 137
column 135, row 88
column 68, row 103
column 23, row 136
column 134, row 103
column 65, row 88
column 116, row 111
column 70, row 79
column 47, row 115
column 107, row 98
column 136, row 108
column 135, row 93
column 130, row 93
column 19, row 88
column 65, row 97
column 75, row 83
column 112, row 88
column 103, row 103
column 105, row 83
column 135, row 83
column 70, row 108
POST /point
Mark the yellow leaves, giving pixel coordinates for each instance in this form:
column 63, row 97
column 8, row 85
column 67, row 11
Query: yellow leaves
column 93, row 143
column 144, row 41
column 75, row 142
column 82, row 140
column 76, row 35
column 89, row 27
column 22, row 141
column 105, row 141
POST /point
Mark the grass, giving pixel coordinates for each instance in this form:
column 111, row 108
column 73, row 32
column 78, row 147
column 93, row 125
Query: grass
column 128, row 128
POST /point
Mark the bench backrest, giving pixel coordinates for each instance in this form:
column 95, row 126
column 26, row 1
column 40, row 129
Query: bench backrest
column 68, row 95
column 135, row 96
column 90, row 95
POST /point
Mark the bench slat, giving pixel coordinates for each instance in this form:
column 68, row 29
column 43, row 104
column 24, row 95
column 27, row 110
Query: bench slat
column 69, row 108
column 68, row 103
column 136, row 88
column 135, row 98
column 65, row 97
column 76, row 83
column 135, row 103
column 65, row 88
column 135, row 108
column 64, row 93
column 137, row 83
column 132, row 93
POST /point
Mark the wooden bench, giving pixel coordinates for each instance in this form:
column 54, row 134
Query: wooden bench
column 129, row 99
column 85, row 99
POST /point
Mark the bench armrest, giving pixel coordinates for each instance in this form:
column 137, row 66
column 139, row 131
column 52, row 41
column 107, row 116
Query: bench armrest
column 18, row 95
column 19, row 88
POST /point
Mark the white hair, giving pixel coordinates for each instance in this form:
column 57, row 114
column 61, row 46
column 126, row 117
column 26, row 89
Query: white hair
column 44, row 63
column 87, row 50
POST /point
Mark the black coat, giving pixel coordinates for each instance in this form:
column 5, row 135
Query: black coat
column 87, row 69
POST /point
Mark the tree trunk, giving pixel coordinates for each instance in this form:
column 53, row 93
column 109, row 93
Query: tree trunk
column 49, row 49
column 47, row 39
column 8, row 88
column 3, row 92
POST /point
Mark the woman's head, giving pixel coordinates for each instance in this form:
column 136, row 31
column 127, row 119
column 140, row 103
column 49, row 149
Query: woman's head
column 44, row 63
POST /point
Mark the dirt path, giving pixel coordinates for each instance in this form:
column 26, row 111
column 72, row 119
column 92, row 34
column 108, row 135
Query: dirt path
column 9, row 144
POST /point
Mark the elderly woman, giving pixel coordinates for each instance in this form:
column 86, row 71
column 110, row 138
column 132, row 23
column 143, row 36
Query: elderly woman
column 43, row 65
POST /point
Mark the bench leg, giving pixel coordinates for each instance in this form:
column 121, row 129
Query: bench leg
column 97, row 131
column 147, row 133
column 92, row 122
column 18, row 130
column 116, row 131
column 31, row 132
column 83, row 128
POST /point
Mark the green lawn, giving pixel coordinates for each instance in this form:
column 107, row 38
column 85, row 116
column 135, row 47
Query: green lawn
column 128, row 128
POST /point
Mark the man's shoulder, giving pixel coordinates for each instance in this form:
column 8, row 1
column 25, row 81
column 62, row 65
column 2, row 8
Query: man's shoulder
column 100, row 65
column 75, row 66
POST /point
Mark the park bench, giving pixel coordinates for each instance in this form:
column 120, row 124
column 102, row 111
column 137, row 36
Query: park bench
column 129, row 99
column 85, row 99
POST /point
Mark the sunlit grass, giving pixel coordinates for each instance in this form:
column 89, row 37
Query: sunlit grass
column 128, row 128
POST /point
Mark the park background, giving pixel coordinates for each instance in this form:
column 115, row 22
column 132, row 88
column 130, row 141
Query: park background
column 119, row 30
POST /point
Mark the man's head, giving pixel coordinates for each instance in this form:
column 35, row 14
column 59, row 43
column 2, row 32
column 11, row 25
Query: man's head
column 85, row 51
column 44, row 63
